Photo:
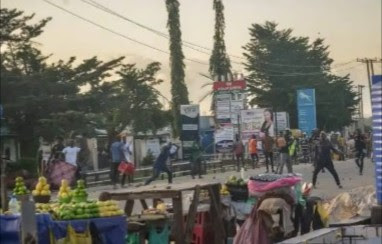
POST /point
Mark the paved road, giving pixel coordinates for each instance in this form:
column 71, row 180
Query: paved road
column 326, row 187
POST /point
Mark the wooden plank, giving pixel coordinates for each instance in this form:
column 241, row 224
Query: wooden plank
column 178, row 227
column 129, row 207
column 216, row 214
column 144, row 203
column 191, row 215
column 144, row 195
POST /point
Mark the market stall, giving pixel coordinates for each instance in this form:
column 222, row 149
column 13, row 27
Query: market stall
column 71, row 218
column 182, row 232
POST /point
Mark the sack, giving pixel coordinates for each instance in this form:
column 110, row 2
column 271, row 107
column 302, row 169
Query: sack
column 78, row 238
column 280, row 142
column 162, row 237
column 126, row 168
column 72, row 237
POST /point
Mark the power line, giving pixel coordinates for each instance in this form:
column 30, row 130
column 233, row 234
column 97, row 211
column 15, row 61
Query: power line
column 115, row 32
column 307, row 74
column 189, row 44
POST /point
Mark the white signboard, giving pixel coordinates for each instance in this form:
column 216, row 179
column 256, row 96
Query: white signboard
column 224, row 139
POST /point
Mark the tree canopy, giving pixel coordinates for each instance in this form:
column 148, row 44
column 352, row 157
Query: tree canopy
column 220, row 64
column 45, row 98
column 179, row 90
column 279, row 63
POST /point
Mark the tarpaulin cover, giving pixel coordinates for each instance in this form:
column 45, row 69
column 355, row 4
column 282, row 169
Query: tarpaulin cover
column 112, row 230
column 260, row 186
column 9, row 229
column 11, row 224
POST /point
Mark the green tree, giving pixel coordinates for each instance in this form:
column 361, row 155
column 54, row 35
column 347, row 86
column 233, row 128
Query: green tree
column 179, row 90
column 42, row 98
column 220, row 64
column 280, row 63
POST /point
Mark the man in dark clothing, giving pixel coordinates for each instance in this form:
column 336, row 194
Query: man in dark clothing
column 117, row 156
column 160, row 163
column 315, row 144
column 268, row 151
column 360, row 150
column 325, row 160
column 57, row 149
column 238, row 150
column 196, row 160
column 304, row 145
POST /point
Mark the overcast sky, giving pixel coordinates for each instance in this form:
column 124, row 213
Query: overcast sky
column 352, row 28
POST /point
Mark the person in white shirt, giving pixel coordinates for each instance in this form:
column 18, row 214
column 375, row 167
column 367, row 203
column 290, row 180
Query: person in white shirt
column 71, row 153
column 127, row 149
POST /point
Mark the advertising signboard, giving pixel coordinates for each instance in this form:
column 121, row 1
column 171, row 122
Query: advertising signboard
column 190, row 127
column 306, row 108
column 376, row 105
column 224, row 138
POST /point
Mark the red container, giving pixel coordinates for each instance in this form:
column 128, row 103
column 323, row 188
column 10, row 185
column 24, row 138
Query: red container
column 202, row 234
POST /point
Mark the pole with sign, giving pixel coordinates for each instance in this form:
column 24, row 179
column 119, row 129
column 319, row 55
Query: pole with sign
column 376, row 102
column 190, row 127
column 306, row 107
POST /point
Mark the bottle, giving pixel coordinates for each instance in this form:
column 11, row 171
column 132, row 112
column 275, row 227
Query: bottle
column 242, row 174
column 14, row 206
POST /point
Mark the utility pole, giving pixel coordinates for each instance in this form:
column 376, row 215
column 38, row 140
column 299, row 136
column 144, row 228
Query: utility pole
column 369, row 68
column 360, row 87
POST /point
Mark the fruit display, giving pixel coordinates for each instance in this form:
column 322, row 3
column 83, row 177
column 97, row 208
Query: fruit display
column 224, row 190
column 42, row 188
column 64, row 194
column 109, row 208
column 46, row 207
column 86, row 210
column 79, row 193
column 233, row 181
column 20, row 188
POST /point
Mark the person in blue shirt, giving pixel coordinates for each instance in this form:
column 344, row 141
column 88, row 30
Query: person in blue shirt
column 117, row 156
column 160, row 164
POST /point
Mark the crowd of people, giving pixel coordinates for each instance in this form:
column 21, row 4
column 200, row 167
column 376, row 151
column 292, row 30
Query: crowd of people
column 319, row 149
column 279, row 152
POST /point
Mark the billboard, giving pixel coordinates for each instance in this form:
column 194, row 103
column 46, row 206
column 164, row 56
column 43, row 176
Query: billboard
column 229, row 85
column 224, row 138
column 306, row 109
column 190, row 127
column 256, row 121
column 282, row 119
column 376, row 105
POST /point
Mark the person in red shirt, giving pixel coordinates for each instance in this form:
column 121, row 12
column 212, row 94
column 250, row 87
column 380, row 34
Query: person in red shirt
column 252, row 149
column 238, row 150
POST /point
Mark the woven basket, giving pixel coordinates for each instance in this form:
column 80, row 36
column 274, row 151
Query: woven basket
column 41, row 199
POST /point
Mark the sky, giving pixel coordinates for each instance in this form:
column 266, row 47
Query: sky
column 352, row 29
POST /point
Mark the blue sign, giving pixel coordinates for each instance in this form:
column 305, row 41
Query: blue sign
column 306, row 109
column 376, row 105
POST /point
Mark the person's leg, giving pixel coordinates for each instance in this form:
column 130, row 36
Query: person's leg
column 257, row 159
column 169, row 174
column 289, row 164
column 253, row 160
column 113, row 171
column 238, row 162
column 123, row 179
column 317, row 170
column 266, row 154
column 333, row 171
column 361, row 163
column 242, row 160
column 281, row 163
column 155, row 175
column 271, row 159
column 199, row 167
column 192, row 166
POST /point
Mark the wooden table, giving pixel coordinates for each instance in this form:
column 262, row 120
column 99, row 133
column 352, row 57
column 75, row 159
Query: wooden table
column 182, row 233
